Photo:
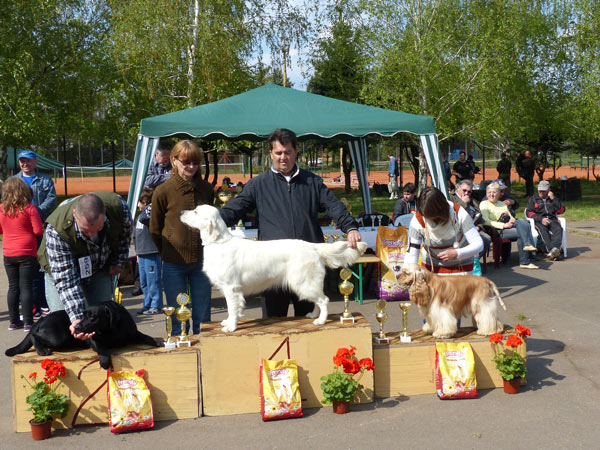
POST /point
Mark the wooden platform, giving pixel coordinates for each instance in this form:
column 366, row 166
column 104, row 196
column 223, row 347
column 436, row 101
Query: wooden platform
column 408, row 368
column 230, row 361
column 172, row 377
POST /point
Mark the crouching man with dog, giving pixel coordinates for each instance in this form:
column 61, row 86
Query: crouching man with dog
column 288, row 200
column 85, row 243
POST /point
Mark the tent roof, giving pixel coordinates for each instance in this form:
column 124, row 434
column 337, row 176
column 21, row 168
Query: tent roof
column 254, row 114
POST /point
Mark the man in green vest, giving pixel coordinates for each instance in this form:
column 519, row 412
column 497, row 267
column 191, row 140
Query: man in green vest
column 85, row 243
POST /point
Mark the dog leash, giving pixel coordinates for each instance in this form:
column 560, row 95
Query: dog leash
column 285, row 341
column 73, row 424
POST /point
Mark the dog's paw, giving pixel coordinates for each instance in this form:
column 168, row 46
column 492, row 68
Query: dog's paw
column 442, row 335
column 319, row 321
column 312, row 315
column 105, row 362
column 224, row 322
column 228, row 327
column 427, row 328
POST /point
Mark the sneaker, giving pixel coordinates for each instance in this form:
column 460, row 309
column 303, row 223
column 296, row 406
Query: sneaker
column 37, row 315
column 143, row 310
column 530, row 248
column 15, row 326
column 151, row 312
column 528, row 266
column 554, row 254
column 45, row 311
column 27, row 328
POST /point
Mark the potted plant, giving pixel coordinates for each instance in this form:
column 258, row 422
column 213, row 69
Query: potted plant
column 511, row 364
column 45, row 401
column 340, row 386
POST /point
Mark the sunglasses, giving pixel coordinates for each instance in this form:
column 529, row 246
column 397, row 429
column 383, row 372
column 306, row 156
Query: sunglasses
column 189, row 163
column 467, row 191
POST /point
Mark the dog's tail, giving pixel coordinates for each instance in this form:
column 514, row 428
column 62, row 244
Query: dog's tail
column 339, row 254
column 23, row 347
column 497, row 295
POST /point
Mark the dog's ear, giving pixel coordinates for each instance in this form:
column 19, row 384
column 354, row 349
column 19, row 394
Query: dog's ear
column 419, row 291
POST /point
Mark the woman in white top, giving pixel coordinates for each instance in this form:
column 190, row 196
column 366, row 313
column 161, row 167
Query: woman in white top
column 446, row 233
column 496, row 214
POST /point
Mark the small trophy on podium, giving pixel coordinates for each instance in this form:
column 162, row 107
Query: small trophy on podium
column 382, row 318
column 346, row 289
column 183, row 314
column 169, row 310
column 404, row 306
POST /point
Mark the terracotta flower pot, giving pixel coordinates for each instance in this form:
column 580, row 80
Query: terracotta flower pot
column 512, row 386
column 41, row 431
column 341, row 407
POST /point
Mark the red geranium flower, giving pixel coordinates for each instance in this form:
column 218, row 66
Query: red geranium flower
column 496, row 337
column 343, row 354
column 33, row 375
column 513, row 341
column 367, row 363
column 522, row 331
column 46, row 363
column 351, row 366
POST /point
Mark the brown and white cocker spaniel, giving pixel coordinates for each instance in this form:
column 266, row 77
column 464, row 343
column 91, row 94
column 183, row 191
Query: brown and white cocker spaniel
column 443, row 299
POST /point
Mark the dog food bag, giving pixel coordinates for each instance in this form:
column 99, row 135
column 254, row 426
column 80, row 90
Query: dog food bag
column 390, row 249
column 455, row 370
column 129, row 402
column 279, row 390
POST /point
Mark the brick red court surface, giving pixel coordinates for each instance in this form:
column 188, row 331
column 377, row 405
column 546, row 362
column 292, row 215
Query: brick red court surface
column 78, row 185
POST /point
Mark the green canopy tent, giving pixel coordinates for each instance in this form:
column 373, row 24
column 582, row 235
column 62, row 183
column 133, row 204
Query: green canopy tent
column 254, row 114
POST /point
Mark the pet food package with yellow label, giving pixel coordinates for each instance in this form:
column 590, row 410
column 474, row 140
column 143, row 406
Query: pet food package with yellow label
column 455, row 370
column 391, row 248
column 129, row 404
column 279, row 390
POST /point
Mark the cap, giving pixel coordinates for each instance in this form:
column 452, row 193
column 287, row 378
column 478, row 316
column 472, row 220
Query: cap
column 544, row 185
column 27, row 154
column 501, row 183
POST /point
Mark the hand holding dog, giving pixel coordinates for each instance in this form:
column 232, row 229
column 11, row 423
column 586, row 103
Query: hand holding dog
column 353, row 238
column 80, row 336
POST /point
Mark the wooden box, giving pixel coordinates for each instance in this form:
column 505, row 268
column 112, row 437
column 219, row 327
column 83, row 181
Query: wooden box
column 409, row 368
column 230, row 362
column 172, row 377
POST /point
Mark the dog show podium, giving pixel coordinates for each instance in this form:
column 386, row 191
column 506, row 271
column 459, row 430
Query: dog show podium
column 219, row 373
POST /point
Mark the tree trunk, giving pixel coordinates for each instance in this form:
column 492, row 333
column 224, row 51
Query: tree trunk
column 347, row 166
column 191, row 55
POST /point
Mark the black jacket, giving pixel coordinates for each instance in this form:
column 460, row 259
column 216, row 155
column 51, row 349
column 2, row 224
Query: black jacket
column 288, row 210
column 539, row 208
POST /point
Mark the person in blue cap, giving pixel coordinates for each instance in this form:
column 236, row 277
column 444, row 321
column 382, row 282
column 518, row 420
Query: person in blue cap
column 44, row 194
column 44, row 199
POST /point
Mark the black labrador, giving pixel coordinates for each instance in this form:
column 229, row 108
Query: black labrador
column 112, row 324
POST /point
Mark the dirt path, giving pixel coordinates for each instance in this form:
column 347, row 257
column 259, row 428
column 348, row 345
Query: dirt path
column 77, row 185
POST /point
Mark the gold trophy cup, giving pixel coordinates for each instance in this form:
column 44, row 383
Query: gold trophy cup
column 404, row 306
column 335, row 237
column 382, row 318
column 326, row 238
column 168, row 311
column 346, row 289
column 183, row 314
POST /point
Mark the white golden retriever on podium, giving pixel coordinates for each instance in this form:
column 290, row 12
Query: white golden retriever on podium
column 240, row 267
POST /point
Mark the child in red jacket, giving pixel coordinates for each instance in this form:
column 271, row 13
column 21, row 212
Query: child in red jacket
column 20, row 224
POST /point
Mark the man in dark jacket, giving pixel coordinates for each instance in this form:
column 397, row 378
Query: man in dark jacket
column 287, row 202
column 461, row 169
column 544, row 208
column 528, row 172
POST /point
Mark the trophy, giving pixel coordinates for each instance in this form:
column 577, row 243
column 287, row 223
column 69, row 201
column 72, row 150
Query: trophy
column 335, row 237
column 169, row 310
column 183, row 314
column 381, row 317
column 346, row 289
column 344, row 236
column 224, row 195
column 404, row 337
column 326, row 238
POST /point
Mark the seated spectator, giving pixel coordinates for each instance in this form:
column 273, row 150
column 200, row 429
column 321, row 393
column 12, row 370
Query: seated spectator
column 495, row 213
column 506, row 198
column 544, row 208
column 407, row 204
column 463, row 196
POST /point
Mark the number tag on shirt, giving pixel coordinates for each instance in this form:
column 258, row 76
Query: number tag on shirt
column 85, row 267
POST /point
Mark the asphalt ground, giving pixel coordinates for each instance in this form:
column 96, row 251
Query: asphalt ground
column 557, row 409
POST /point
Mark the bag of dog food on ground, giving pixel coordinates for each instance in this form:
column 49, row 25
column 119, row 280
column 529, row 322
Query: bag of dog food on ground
column 390, row 249
column 279, row 389
column 129, row 402
column 455, row 370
